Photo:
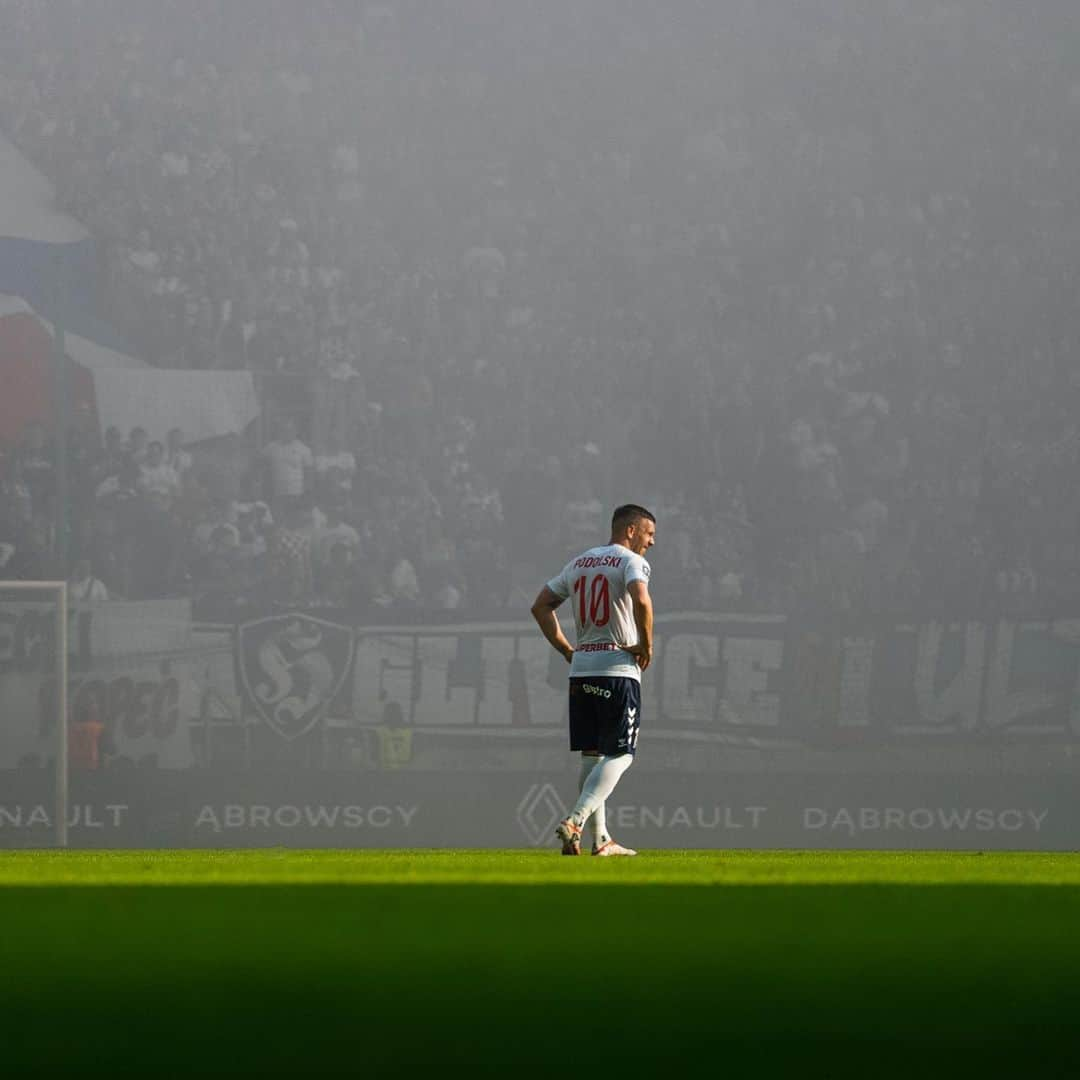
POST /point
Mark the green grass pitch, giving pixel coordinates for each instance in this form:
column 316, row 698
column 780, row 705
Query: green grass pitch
column 323, row 963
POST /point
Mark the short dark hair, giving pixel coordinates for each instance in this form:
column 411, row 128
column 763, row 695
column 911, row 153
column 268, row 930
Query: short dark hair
column 629, row 514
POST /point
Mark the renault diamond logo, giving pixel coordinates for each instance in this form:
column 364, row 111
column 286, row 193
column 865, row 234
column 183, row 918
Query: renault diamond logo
column 539, row 812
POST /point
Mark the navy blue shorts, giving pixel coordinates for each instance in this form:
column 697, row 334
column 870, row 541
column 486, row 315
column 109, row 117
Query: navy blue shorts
column 605, row 714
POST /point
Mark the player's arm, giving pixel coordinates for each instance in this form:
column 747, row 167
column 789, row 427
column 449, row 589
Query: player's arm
column 643, row 618
column 543, row 611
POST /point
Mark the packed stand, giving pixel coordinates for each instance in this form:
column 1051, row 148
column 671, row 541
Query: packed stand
column 802, row 279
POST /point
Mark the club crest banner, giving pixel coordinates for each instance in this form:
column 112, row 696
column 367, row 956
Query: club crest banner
column 292, row 668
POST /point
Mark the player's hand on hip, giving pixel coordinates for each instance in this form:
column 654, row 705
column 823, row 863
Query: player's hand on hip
column 568, row 654
column 642, row 654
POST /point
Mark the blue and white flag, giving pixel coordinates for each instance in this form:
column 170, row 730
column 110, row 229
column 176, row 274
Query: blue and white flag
column 49, row 275
column 47, row 259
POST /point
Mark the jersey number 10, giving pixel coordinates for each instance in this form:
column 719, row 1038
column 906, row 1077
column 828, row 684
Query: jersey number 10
column 599, row 600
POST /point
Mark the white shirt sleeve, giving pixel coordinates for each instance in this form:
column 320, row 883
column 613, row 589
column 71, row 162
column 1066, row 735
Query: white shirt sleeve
column 637, row 569
column 560, row 585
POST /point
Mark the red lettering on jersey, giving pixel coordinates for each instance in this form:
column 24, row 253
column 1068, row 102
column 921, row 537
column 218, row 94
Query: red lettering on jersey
column 587, row 562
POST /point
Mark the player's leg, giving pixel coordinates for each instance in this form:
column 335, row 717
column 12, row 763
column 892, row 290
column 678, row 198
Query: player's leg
column 583, row 738
column 604, row 714
column 588, row 760
column 597, row 824
column 620, row 719
column 572, row 842
column 599, row 784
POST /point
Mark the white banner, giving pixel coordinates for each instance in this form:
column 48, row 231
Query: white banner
column 751, row 680
column 709, row 670
column 97, row 633
column 146, row 709
column 130, row 663
column 749, row 677
column 203, row 404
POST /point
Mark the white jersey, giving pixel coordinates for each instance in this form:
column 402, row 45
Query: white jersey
column 596, row 583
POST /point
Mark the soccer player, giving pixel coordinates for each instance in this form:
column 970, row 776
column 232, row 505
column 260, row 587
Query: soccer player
column 609, row 587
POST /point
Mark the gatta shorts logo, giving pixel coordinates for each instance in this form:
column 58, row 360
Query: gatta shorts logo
column 599, row 691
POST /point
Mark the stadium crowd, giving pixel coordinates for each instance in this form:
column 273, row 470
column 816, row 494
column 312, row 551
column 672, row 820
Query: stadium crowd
column 801, row 277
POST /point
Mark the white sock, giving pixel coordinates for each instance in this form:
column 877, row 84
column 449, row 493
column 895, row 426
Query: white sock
column 598, row 821
column 587, row 763
column 599, row 784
